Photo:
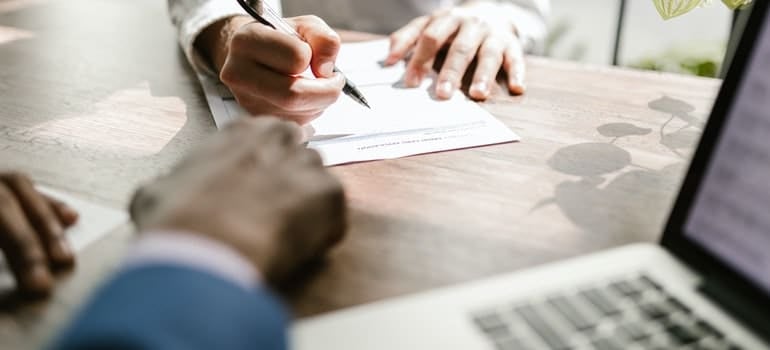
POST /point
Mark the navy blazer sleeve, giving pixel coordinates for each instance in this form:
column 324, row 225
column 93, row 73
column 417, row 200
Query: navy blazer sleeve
column 174, row 307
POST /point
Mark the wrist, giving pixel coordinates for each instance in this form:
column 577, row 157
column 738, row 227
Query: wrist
column 185, row 249
column 214, row 42
column 254, row 244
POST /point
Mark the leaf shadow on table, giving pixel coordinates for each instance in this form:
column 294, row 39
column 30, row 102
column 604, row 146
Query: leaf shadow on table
column 613, row 199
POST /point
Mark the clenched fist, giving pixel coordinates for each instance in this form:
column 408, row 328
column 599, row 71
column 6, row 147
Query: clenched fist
column 253, row 187
column 263, row 66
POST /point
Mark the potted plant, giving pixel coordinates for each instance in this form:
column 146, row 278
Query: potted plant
column 707, row 62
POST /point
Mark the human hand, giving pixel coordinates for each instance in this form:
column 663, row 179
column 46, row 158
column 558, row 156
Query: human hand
column 263, row 66
column 471, row 31
column 32, row 233
column 254, row 188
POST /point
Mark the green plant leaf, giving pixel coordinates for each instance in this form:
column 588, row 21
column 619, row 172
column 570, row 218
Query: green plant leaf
column 671, row 8
column 734, row 4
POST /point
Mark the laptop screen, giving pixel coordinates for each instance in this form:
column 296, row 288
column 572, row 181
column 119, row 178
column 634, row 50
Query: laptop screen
column 730, row 216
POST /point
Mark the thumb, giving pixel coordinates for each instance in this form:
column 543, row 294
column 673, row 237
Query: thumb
column 324, row 43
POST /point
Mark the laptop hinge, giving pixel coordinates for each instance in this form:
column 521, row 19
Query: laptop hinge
column 739, row 306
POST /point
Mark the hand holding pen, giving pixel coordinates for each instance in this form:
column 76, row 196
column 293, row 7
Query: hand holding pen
column 270, row 18
column 262, row 66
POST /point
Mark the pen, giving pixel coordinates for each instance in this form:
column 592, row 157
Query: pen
column 277, row 23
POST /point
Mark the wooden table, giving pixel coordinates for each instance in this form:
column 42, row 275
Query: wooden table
column 96, row 97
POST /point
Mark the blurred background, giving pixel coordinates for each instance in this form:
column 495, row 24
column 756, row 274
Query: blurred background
column 585, row 31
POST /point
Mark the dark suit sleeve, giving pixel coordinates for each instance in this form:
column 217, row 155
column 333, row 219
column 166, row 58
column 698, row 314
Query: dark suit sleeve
column 170, row 307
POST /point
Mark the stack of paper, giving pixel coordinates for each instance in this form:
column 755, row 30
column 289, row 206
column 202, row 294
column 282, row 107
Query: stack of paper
column 402, row 122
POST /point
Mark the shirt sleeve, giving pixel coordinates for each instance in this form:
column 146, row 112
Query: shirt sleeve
column 184, row 249
column 191, row 17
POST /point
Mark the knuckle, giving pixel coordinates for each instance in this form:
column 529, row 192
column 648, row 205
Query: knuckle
column 299, row 58
column 16, row 178
column 453, row 71
column 442, row 12
column 463, row 49
column 240, row 41
column 313, row 19
column 493, row 46
column 7, row 199
column 292, row 99
column 282, row 129
column 241, row 123
column 515, row 50
column 420, row 21
column 450, row 74
column 255, row 127
column 312, row 157
column 333, row 39
column 142, row 202
column 229, row 76
column 27, row 247
column 394, row 37
column 431, row 40
column 467, row 20
column 289, row 101
column 483, row 28
column 329, row 46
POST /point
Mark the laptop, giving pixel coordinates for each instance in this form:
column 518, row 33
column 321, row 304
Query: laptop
column 707, row 286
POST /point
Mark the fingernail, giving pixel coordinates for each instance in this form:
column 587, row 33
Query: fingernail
column 37, row 279
column 62, row 253
column 390, row 60
column 70, row 216
column 326, row 69
column 56, row 228
column 481, row 87
column 517, row 87
column 445, row 89
column 412, row 79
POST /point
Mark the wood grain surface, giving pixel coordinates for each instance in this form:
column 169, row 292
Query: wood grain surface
column 96, row 97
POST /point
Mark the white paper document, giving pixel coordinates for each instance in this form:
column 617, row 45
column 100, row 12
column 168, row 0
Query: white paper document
column 402, row 122
column 94, row 222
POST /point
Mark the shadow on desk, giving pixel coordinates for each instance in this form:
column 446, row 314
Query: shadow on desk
column 606, row 173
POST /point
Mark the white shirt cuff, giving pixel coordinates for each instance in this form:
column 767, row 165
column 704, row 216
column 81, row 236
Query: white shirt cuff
column 193, row 251
column 530, row 25
column 200, row 18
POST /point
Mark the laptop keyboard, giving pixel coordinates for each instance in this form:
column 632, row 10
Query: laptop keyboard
column 633, row 313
